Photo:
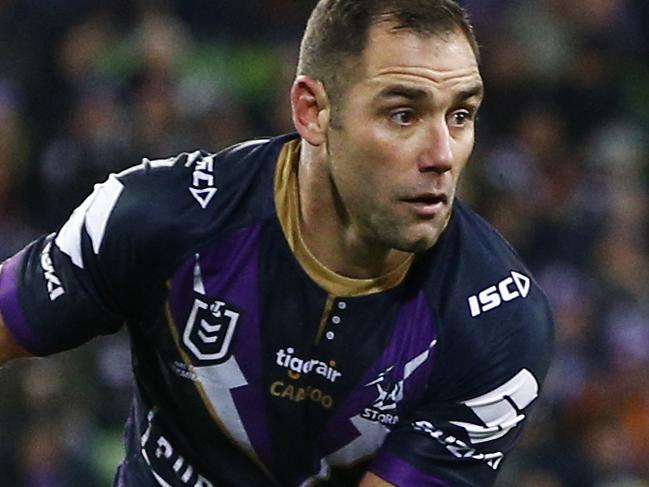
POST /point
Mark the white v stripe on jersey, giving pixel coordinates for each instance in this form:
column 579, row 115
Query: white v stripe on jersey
column 100, row 210
column 94, row 213
column 69, row 237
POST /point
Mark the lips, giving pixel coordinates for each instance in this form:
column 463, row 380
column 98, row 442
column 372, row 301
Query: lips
column 427, row 205
column 428, row 199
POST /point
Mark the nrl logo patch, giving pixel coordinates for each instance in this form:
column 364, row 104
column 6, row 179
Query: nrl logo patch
column 209, row 331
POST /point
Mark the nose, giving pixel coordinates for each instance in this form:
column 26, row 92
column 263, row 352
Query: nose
column 438, row 153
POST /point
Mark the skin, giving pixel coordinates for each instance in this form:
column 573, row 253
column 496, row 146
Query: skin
column 379, row 182
column 9, row 349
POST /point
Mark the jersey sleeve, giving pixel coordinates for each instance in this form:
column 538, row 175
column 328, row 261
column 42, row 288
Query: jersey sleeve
column 488, row 375
column 107, row 264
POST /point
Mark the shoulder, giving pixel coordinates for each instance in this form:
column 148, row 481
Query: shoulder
column 203, row 183
column 200, row 189
column 494, row 339
column 472, row 256
column 494, row 319
column 161, row 209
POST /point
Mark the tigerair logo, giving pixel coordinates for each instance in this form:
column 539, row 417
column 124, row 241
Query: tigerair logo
column 513, row 286
column 297, row 366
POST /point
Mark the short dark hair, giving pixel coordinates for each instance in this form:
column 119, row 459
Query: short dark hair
column 337, row 32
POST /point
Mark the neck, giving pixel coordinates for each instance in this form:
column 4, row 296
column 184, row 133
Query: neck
column 327, row 230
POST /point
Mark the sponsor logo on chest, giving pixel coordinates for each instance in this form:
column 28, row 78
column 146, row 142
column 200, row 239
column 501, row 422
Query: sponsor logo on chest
column 298, row 367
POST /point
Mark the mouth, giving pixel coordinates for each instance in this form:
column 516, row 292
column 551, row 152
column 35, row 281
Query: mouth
column 427, row 205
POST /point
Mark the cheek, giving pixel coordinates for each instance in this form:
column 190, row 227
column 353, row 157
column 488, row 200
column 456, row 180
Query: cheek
column 465, row 148
column 380, row 174
column 368, row 163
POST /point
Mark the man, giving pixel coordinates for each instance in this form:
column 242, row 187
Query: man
column 312, row 309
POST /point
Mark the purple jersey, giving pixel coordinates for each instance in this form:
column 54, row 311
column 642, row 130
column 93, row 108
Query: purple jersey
column 255, row 365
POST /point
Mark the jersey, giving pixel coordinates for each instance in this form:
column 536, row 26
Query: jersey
column 254, row 364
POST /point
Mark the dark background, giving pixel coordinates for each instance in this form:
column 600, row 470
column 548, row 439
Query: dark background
column 91, row 87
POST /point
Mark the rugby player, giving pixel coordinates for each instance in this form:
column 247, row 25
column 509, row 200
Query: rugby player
column 316, row 308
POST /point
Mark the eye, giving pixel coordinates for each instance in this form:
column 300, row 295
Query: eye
column 460, row 118
column 403, row 117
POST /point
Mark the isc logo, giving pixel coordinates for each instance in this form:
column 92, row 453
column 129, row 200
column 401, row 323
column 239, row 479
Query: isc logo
column 513, row 286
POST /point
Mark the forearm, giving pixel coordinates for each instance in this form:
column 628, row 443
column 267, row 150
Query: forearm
column 9, row 349
column 371, row 480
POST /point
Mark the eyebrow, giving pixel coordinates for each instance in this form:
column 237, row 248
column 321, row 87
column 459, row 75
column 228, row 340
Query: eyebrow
column 411, row 93
column 402, row 91
column 477, row 90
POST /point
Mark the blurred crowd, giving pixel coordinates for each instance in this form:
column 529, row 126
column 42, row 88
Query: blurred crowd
column 561, row 167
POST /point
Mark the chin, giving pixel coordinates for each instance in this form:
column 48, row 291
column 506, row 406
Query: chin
column 413, row 238
column 417, row 244
column 418, row 247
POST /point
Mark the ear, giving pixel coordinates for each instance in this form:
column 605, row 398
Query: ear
column 310, row 109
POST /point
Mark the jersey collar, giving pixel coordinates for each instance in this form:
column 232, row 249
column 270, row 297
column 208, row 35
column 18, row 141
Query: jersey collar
column 287, row 203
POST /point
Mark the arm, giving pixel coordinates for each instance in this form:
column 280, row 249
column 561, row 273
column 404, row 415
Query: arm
column 372, row 480
column 9, row 349
column 51, row 298
column 99, row 269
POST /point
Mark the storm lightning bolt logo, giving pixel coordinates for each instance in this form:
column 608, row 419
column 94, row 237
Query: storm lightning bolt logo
column 390, row 391
column 368, row 429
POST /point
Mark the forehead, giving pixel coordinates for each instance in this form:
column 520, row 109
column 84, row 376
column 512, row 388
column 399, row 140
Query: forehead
column 441, row 61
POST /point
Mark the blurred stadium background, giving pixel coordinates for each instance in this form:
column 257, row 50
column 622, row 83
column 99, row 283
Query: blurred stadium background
column 561, row 167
